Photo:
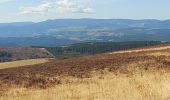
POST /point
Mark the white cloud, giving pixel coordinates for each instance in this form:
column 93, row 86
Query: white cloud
column 40, row 9
column 57, row 6
column 70, row 6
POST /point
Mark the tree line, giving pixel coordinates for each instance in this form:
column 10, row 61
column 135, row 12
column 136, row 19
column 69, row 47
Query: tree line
column 90, row 48
column 5, row 56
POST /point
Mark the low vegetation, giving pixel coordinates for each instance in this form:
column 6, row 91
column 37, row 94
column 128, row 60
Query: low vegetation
column 107, row 86
column 134, row 75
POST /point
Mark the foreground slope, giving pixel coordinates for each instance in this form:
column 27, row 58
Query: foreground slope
column 132, row 75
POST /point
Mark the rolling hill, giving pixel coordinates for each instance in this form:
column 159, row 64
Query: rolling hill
column 70, row 51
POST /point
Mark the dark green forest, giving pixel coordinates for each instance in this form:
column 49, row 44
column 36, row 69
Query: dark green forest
column 5, row 56
column 91, row 48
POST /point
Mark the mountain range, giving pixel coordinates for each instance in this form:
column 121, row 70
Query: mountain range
column 68, row 31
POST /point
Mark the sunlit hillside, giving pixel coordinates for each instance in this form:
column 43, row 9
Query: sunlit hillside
column 142, row 74
column 22, row 63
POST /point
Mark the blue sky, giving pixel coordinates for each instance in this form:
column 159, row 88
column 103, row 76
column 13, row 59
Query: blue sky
column 38, row 10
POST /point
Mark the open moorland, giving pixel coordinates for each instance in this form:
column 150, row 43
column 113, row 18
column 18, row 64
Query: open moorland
column 142, row 74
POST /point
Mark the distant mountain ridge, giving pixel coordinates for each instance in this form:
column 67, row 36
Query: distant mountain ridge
column 64, row 31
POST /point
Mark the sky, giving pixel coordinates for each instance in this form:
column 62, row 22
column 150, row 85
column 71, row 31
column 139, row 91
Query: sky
column 39, row 10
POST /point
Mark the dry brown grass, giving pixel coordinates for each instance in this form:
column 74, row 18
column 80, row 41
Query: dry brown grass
column 157, row 54
column 107, row 86
column 129, row 76
column 22, row 63
column 145, row 49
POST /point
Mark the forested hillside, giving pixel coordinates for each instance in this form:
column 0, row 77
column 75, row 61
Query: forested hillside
column 90, row 48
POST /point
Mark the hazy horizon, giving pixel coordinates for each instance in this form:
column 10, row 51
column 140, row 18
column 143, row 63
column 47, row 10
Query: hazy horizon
column 29, row 21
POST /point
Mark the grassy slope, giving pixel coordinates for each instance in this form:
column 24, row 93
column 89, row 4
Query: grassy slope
column 141, row 75
column 22, row 63
column 151, row 86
